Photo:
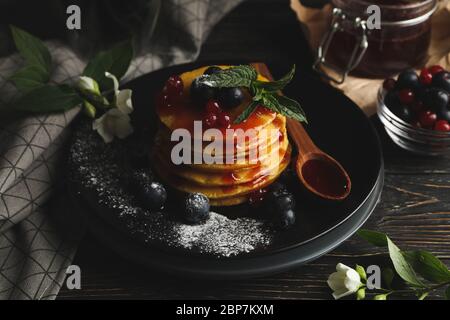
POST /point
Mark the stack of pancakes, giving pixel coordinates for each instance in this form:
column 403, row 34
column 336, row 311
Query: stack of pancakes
column 224, row 183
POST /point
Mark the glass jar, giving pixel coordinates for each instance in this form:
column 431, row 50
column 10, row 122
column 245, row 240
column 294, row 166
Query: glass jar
column 401, row 42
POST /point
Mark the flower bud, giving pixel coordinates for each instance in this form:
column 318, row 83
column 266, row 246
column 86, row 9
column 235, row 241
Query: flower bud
column 88, row 84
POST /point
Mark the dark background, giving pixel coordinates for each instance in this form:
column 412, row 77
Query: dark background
column 414, row 209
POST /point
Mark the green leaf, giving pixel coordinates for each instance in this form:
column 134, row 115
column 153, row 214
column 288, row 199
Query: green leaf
column 447, row 293
column 380, row 297
column 48, row 99
column 274, row 86
column 30, row 77
column 428, row 266
column 32, row 49
column 361, row 272
column 291, row 108
column 240, row 76
column 116, row 61
column 401, row 265
column 247, row 112
column 376, row 238
column 388, row 276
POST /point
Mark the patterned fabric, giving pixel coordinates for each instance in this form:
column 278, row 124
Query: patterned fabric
column 38, row 239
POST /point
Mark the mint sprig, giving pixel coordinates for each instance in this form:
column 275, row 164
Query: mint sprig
column 266, row 93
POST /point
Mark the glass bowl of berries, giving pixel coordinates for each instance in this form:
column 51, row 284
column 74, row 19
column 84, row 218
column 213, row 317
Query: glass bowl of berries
column 415, row 110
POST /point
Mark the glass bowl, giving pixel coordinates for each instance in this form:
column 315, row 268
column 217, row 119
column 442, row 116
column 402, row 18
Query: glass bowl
column 417, row 140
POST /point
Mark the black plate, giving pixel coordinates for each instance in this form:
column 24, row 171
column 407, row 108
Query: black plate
column 338, row 127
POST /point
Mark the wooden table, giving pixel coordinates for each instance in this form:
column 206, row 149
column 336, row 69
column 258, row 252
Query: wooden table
column 414, row 208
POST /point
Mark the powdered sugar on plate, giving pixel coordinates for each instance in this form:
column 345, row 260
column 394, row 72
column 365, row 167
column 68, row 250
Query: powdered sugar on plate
column 223, row 236
column 101, row 171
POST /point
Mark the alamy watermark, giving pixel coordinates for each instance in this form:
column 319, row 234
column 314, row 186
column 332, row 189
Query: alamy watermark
column 234, row 146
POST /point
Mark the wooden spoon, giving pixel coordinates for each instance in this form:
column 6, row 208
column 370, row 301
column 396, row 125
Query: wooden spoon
column 320, row 173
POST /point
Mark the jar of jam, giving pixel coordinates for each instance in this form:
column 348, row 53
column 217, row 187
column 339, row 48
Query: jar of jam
column 400, row 41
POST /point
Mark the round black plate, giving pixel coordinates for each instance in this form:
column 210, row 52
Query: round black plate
column 337, row 126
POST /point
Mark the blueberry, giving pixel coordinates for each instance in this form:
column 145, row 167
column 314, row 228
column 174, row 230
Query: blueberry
column 444, row 114
column 153, row 196
column 196, row 206
column 284, row 202
column 285, row 219
column 408, row 79
column 212, row 70
column 436, row 99
column 201, row 93
column 442, row 80
column 403, row 112
column 391, row 100
column 230, row 97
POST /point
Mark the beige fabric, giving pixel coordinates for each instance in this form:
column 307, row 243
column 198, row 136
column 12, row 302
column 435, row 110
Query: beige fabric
column 364, row 91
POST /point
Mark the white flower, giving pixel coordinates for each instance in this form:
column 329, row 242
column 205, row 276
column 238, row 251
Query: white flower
column 116, row 121
column 122, row 97
column 344, row 281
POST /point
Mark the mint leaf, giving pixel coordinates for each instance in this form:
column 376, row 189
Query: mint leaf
column 48, row 99
column 247, row 112
column 240, row 76
column 29, row 78
column 402, row 266
column 376, row 238
column 291, row 108
column 264, row 93
column 32, row 49
column 428, row 266
column 116, row 61
column 273, row 86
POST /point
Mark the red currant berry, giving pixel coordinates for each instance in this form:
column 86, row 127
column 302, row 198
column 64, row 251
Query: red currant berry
column 213, row 107
column 389, row 84
column 224, row 120
column 442, row 125
column 256, row 198
column 435, row 69
column 175, row 86
column 427, row 118
column 406, row 96
column 425, row 77
column 210, row 120
column 162, row 100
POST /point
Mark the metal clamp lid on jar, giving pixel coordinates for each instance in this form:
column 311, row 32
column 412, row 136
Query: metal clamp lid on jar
column 360, row 25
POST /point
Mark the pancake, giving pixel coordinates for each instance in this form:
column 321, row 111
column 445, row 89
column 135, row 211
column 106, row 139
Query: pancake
column 224, row 184
column 164, row 150
column 278, row 125
column 196, row 175
column 221, row 192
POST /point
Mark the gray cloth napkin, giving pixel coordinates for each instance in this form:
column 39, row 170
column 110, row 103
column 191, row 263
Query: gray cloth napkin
column 38, row 238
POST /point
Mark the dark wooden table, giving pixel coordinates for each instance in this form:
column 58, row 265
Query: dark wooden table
column 414, row 208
